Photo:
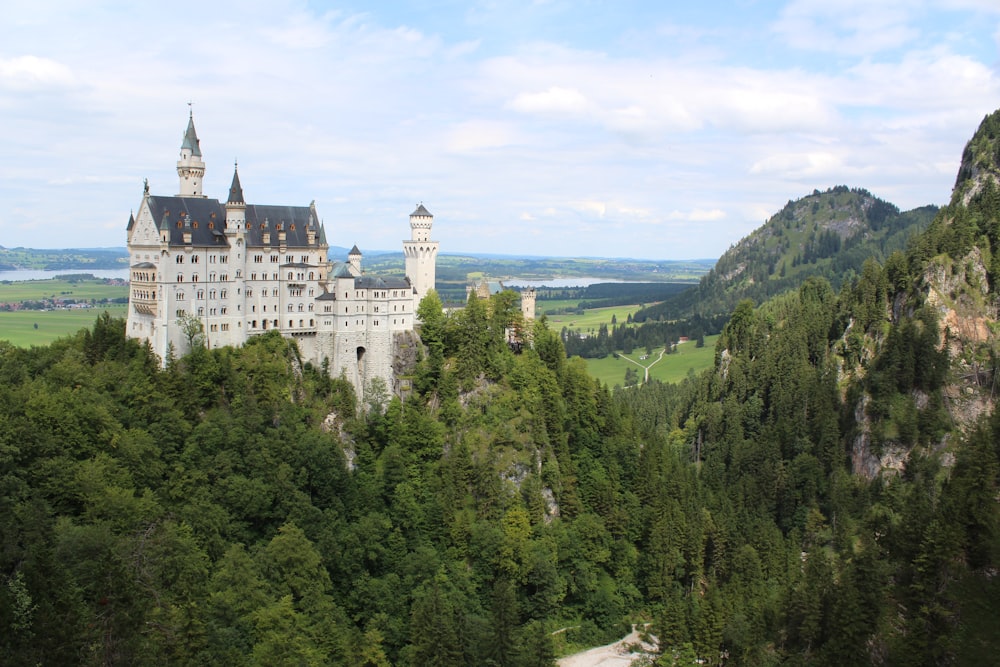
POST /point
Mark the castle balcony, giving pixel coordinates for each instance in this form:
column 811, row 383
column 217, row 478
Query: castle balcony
column 144, row 306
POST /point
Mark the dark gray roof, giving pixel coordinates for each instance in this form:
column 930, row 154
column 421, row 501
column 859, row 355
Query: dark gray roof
column 377, row 282
column 354, row 251
column 422, row 211
column 144, row 265
column 327, row 296
column 191, row 137
column 131, row 222
column 236, row 190
column 297, row 265
column 206, row 220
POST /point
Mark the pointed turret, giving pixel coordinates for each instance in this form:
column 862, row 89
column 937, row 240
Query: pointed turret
column 190, row 168
column 131, row 222
column 354, row 259
column 322, row 234
column 191, row 142
column 236, row 190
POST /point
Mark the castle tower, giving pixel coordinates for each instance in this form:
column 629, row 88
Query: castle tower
column 528, row 303
column 190, row 168
column 354, row 259
column 421, row 254
column 236, row 207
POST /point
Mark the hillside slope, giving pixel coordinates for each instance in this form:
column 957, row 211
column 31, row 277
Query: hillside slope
column 826, row 234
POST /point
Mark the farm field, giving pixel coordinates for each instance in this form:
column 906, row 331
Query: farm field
column 672, row 368
column 83, row 290
column 18, row 327
column 592, row 318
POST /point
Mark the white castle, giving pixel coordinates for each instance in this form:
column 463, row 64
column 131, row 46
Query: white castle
column 244, row 269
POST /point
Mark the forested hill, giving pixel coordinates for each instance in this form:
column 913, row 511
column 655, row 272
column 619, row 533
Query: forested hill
column 826, row 234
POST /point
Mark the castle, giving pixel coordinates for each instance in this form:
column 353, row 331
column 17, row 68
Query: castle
column 241, row 270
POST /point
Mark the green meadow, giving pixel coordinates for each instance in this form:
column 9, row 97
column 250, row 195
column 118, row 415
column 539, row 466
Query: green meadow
column 36, row 290
column 19, row 327
column 671, row 368
column 592, row 318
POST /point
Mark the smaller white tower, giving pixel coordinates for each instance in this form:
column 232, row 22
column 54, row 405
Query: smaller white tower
column 354, row 259
column 421, row 254
column 190, row 168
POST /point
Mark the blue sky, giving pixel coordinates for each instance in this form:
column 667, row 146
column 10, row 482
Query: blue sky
column 621, row 129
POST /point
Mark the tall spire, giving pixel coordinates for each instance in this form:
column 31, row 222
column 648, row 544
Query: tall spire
column 190, row 168
column 236, row 190
column 191, row 137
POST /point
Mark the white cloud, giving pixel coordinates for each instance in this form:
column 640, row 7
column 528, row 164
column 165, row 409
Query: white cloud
column 34, row 73
column 476, row 135
column 857, row 27
column 556, row 99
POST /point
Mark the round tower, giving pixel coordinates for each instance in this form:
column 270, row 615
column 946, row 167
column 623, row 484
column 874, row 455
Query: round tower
column 421, row 254
column 190, row 168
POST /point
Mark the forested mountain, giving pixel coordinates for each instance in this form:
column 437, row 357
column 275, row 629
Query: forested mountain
column 826, row 495
column 826, row 234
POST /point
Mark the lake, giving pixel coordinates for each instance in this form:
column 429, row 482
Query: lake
column 582, row 281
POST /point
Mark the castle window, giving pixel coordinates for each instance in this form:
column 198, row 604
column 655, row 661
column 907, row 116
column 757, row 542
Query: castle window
column 179, row 224
column 300, row 307
column 274, row 260
column 180, row 312
column 201, row 311
column 310, row 323
column 290, row 325
column 239, row 273
column 258, row 258
column 289, row 275
column 194, row 278
column 310, row 307
column 195, row 224
column 179, row 259
column 310, row 275
column 214, row 327
column 249, row 291
column 195, row 259
column 248, row 225
column 301, row 323
column 312, row 292
column 211, row 258
column 211, row 225
column 180, row 277
column 180, row 296
column 224, row 310
column 211, row 294
column 276, row 323
column 224, row 277
column 290, row 307
column 253, row 325
column 223, row 294
column 225, row 327
column 201, row 294
column 211, row 277
column 224, row 259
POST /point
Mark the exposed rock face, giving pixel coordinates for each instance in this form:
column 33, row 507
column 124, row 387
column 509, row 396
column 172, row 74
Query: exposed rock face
column 405, row 350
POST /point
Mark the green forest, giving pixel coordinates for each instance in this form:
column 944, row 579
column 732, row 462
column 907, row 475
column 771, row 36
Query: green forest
column 824, row 495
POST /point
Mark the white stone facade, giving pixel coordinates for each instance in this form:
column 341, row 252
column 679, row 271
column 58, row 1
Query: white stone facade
column 242, row 270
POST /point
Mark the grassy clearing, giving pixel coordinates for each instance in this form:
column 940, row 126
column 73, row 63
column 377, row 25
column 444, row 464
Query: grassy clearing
column 36, row 290
column 672, row 368
column 18, row 327
column 592, row 318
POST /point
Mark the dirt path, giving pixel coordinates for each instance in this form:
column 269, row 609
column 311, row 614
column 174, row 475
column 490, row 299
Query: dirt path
column 612, row 655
